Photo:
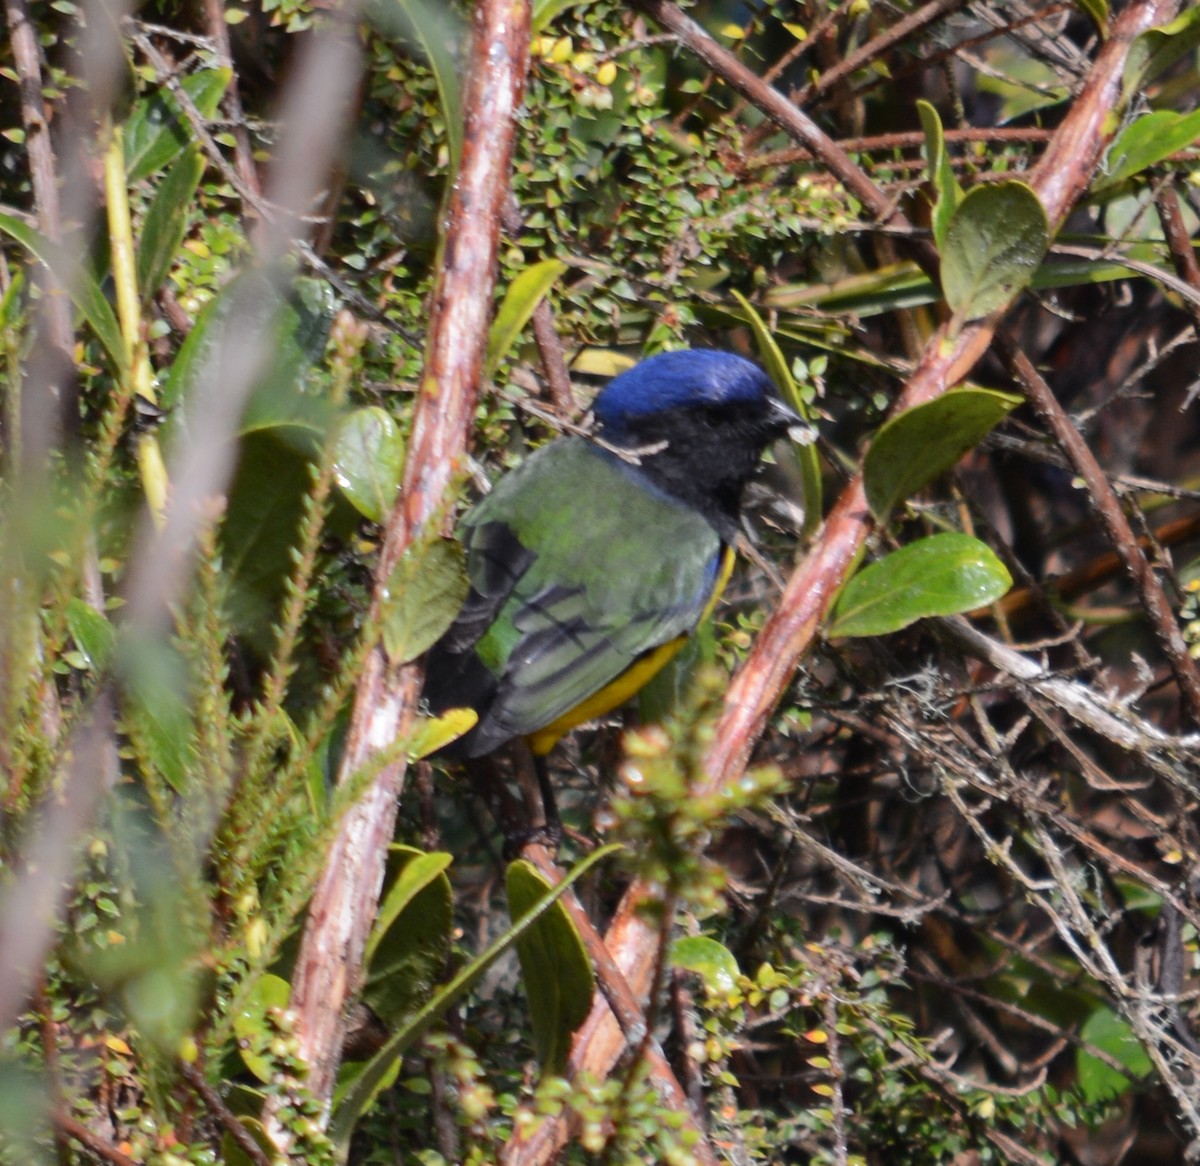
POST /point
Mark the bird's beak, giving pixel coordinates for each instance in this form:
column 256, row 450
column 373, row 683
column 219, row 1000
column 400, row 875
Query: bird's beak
column 782, row 418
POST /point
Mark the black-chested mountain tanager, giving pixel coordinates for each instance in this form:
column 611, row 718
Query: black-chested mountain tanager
column 592, row 561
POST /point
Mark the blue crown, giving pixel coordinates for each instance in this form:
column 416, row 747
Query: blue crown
column 673, row 380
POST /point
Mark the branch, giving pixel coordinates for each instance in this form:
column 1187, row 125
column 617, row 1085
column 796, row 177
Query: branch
column 1112, row 518
column 1061, row 176
column 329, row 964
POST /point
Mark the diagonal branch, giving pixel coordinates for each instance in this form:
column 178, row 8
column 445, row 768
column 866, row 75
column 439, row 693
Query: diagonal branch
column 1059, row 180
column 329, row 965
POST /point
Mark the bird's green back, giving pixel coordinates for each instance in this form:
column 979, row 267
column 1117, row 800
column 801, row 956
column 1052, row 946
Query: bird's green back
column 618, row 568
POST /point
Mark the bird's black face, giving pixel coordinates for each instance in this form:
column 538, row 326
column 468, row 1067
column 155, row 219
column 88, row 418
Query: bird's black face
column 704, row 454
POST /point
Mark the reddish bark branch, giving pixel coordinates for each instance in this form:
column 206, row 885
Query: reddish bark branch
column 1183, row 250
column 330, row 961
column 1060, row 178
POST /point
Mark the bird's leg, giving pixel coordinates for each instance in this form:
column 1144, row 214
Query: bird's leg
column 553, row 826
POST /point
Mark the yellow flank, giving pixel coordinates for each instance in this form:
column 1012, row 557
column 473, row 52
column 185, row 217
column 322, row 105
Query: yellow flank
column 618, row 691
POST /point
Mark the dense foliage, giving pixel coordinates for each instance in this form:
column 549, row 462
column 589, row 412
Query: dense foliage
column 948, row 914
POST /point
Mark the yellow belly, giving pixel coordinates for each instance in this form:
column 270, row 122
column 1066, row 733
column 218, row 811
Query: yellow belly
column 639, row 673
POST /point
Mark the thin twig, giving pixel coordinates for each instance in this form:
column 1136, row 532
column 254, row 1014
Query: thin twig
column 1112, row 518
column 90, row 1141
column 228, row 1119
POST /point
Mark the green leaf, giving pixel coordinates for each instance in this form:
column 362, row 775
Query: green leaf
column 84, row 290
column 425, row 591
column 713, row 962
column 544, row 11
column 1155, row 51
column 436, row 30
column 368, row 461
column 1147, row 141
column 157, row 705
column 920, row 444
column 1109, row 1033
column 779, row 371
column 941, row 173
column 555, row 967
column 298, row 325
column 406, row 952
column 522, row 298
column 250, row 1024
column 941, row 575
column 994, row 243
column 434, row 733
column 366, row 1085
column 94, row 636
column 233, row 1155
column 157, row 133
column 166, row 221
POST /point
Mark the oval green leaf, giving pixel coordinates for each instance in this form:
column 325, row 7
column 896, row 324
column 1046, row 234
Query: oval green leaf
column 92, row 632
column 941, row 575
column 368, row 461
column 554, row 966
column 1146, row 142
column 250, row 1023
column 713, row 962
column 157, row 132
column 994, row 243
column 424, row 593
column 922, row 443
column 522, row 298
column 407, row 949
column 1108, row 1032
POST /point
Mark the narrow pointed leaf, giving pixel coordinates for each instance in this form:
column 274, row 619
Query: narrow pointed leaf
column 84, row 290
column 522, row 298
column 941, row 173
column 435, row 29
column 1155, row 51
column 806, row 455
column 409, row 943
column 366, row 1085
column 434, row 733
column 157, row 132
column 1146, row 142
column 166, row 221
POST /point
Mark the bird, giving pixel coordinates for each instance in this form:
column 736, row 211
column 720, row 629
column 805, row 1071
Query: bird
column 592, row 561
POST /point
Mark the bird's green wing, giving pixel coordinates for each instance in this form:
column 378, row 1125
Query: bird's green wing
column 609, row 569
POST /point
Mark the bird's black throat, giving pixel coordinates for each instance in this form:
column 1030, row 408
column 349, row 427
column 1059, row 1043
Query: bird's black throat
column 708, row 453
